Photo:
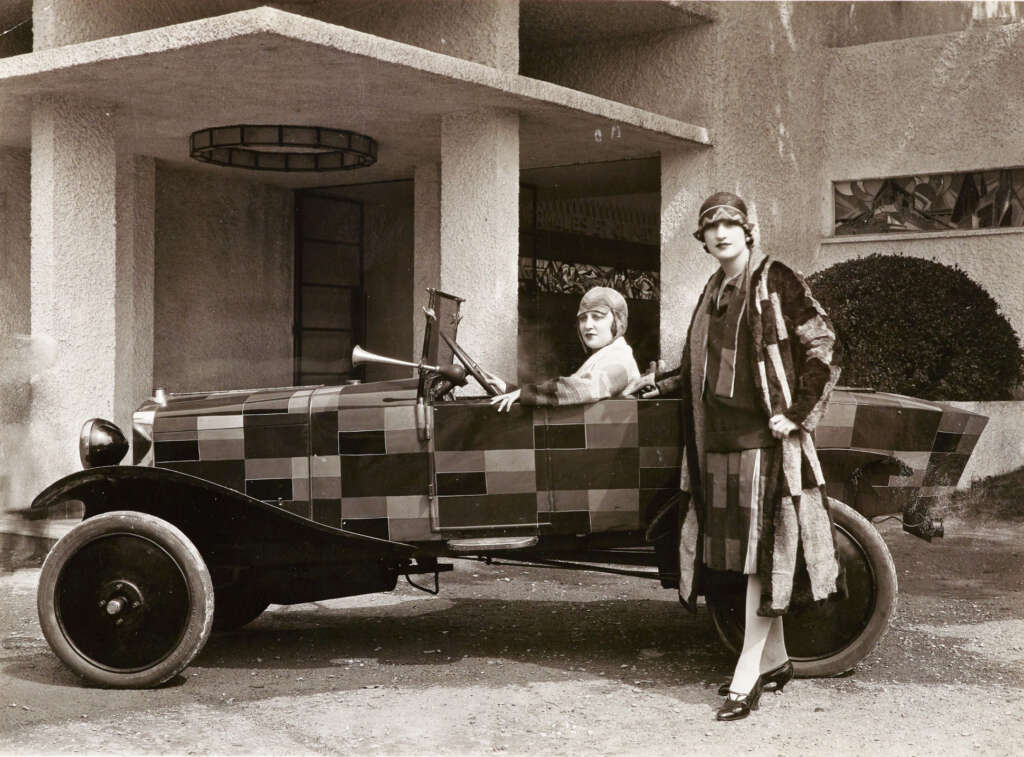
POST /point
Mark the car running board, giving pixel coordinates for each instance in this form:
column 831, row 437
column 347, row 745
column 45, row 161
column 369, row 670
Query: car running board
column 491, row 543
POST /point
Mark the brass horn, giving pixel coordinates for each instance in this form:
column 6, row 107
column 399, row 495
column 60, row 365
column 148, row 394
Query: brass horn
column 454, row 373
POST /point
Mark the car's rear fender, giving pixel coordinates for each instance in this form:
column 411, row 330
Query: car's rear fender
column 857, row 476
column 226, row 525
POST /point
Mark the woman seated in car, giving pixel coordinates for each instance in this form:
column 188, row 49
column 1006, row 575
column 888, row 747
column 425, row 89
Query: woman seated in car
column 601, row 325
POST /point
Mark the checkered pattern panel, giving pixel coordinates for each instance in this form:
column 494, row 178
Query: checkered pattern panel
column 932, row 439
column 605, row 466
column 484, row 467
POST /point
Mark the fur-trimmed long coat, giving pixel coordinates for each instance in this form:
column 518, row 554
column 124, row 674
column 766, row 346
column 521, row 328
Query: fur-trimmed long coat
column 794, row 372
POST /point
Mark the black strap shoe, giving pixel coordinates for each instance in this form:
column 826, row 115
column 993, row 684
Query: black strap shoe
column 777, row 677
column 739, row 708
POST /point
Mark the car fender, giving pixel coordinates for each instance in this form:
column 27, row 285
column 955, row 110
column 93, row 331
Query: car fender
column 855, row 477
column 208, row 513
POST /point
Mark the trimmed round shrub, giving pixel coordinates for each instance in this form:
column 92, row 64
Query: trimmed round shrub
column 919, row 327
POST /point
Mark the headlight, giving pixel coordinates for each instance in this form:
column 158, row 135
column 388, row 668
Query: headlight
column 101, row 443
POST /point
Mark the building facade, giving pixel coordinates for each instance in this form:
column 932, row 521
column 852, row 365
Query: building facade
column 526, row 148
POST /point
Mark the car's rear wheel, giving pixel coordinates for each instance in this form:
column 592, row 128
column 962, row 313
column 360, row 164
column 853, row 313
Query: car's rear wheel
column 829, row 639
column 125, row 600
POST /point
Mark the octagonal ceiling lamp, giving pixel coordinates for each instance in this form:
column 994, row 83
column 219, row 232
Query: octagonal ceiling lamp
column 283, row 148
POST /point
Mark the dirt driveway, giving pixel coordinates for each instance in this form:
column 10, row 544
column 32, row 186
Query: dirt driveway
column 531, row 661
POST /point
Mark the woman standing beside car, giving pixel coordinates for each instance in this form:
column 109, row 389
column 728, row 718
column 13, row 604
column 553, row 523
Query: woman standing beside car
column 756, row 373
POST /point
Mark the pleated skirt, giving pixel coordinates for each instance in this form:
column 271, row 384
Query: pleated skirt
column 734, row 488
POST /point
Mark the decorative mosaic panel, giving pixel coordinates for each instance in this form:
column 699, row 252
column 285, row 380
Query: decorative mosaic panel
column 931, row 202
column 558, row 277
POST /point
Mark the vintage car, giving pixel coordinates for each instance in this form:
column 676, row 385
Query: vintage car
column 236, row 500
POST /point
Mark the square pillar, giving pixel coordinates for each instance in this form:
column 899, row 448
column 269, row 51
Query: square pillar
column 426, row 261
column 480, row 232
column 91, row 297
column 685, row 267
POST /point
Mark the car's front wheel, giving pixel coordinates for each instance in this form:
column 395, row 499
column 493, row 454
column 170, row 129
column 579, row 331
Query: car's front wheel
column 125, row 600
column 830, row 638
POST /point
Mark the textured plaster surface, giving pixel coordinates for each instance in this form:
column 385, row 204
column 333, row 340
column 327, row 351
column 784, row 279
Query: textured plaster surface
column 859, row 23
column 547, row 25
column 16, row 354
column 930, row 104
column 1000, row 448
column 136, row 176
column 14, row 242
column 992, row 260
column 223, row 282
column 256, row 68
column 755, row 75
column 74, row 277
column 485, row 31
column 426, row 243
column 480, row 232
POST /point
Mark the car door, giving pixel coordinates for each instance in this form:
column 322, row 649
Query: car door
column 605, row 466
column 484, row 469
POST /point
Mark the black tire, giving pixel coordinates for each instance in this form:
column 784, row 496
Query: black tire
column 125, row 600
column 236, row 605
column 831, row 638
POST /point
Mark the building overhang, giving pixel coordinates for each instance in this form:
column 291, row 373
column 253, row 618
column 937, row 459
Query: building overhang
column 265, row 66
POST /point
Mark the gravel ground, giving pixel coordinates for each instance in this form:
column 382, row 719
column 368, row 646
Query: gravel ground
column 530, row 661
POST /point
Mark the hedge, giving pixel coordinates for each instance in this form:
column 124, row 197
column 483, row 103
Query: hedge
column 921, row 328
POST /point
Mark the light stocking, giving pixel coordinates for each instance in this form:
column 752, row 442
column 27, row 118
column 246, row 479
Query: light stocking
column 755, row 635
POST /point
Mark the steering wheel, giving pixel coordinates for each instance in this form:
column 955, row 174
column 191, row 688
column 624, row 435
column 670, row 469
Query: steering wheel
column 471, row 366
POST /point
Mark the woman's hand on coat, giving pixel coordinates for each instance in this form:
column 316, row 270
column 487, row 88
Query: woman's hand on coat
column 504, row 401
column 781, row 426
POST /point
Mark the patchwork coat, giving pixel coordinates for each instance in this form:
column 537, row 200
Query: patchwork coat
column 794, row 351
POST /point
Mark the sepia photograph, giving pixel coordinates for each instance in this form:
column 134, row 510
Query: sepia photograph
column 520, row 377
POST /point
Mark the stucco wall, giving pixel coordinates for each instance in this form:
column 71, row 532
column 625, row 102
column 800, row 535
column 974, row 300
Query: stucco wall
column 480, row 231
column 925, row 105
column 860, row 23
column 486, row 31
column 755, row 78
column 14, row 242
column 15, row 350
column 930, row 105
column 223, row 282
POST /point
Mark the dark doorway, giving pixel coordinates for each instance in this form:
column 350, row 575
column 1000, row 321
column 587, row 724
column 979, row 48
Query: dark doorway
column 329, row 299
column 581, row 226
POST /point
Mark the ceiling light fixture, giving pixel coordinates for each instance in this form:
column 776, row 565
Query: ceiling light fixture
column 283, row 148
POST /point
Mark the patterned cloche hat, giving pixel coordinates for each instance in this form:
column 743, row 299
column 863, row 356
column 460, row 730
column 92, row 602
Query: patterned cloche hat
column 722, row 206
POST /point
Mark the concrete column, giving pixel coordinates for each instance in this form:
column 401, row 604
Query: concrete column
column 685, row 182
column 90, row 295
column 136, row 200
column 16, row 354
column 480, row 231
column 426, row 262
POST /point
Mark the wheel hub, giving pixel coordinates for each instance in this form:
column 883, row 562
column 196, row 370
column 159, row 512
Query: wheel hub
column 121, row 601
